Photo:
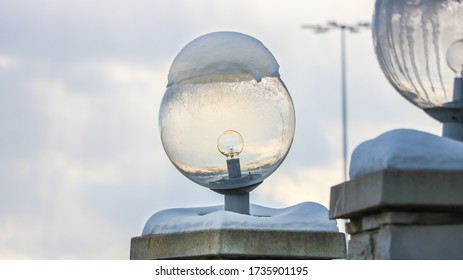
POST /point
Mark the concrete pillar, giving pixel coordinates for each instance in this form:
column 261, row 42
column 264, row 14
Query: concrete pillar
column 301, row 231
column 402, row 214
column 240, row 244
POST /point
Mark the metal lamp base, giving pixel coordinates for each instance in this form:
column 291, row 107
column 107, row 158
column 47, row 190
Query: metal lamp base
column 451, row 113
column 453, row 130
column 238, row 203
column 236, row 187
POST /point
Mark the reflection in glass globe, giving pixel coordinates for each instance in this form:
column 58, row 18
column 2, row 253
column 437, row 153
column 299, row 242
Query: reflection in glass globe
column 243, row 93
column 230, row 143
column 455, row 57
column 411, row 39
column 192, row 115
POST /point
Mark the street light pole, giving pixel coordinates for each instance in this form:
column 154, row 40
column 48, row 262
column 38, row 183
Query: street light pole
column 355, row 28
column 344, row 102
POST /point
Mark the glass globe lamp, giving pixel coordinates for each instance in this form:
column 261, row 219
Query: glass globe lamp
column 419, row 45
column 226, row 119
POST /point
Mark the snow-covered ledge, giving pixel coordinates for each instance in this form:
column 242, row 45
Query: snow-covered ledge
column 307, row 216
column 404, row 199
column 406, row 149
column 301, row 231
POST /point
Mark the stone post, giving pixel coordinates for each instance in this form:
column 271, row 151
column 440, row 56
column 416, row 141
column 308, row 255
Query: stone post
column 301, row 231
column 402, row 214
column 240, row 244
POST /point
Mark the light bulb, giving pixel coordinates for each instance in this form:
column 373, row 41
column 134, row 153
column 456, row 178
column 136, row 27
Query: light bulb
column 230, row 143
column 455, row 57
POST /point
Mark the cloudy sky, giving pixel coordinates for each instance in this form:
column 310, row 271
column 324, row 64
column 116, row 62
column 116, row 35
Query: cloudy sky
column 82, row 167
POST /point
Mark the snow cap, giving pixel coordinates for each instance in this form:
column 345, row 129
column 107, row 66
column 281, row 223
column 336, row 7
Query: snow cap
column 221, row 56
column 306, row 216
column 406, row 149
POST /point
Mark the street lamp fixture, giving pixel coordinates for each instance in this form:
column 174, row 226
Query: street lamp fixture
column 225, row 93
column 352, row 28
column 413, row 41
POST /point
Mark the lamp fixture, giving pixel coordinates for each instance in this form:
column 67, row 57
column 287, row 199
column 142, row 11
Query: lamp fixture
column 223, row 86
column 412, row 40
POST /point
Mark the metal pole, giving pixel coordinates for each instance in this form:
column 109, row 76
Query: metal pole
column 355, row 28
column 238, row 203
column 454, row 130
column 344, row 100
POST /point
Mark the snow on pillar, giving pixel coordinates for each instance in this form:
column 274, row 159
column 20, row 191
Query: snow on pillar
column 405, row 198
column 301, row 231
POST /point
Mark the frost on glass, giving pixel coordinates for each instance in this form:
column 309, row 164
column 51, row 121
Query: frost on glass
column 411, row 40
column 194, row 115
column 226, row 120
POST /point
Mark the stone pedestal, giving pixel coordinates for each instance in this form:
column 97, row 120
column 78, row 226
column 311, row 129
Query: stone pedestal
column 402, row 214
column 240, row 244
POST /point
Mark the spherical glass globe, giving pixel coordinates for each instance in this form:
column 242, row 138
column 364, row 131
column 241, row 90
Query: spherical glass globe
column 225, row 100
column 412, row 39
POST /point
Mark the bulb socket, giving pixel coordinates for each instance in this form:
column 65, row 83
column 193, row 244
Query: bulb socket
column 234, row 168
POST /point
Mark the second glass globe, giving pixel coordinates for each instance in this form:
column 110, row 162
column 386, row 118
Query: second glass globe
column 225, row 101
column 412, row 40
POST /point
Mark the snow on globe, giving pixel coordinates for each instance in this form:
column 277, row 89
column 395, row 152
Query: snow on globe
column 226, row 120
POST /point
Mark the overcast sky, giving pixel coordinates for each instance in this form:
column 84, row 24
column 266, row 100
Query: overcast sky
column 82, row 167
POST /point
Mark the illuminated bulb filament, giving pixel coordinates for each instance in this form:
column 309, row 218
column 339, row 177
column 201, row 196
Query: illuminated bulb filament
column 230, row 144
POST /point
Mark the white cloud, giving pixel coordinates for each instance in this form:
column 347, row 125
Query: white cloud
column 301, row 184
column 67, row 227
column 70, row 166
column 8, row 61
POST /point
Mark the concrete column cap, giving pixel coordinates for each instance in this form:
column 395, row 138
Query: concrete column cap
column 398, row 190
